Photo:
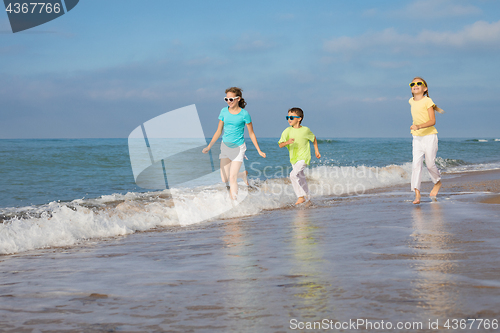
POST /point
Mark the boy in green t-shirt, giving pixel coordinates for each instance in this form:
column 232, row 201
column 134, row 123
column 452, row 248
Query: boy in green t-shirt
column 296, row 138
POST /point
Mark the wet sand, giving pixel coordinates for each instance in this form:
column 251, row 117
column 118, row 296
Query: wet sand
column 492, row 200
column 375, row 257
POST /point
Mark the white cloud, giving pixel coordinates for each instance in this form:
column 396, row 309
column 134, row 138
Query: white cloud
column 375, row 100
column 250, row 43
column 479, row 35
column 119, row 93
column 426, row 10
column 386, row 38
column 370, row 12
column 301, row 76
column 390, row 64
column 431, row 9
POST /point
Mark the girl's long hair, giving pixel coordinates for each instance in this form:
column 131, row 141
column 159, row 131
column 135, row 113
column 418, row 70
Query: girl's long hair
column 436, row 108
column 238, row 92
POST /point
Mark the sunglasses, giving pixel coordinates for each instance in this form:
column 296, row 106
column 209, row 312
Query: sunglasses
column 419, row 83
column 291, row 117
column 231, row 99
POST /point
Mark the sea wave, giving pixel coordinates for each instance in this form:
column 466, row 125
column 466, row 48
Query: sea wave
column 473, row 167
column 446, row 163
column 328, row 141
column 68, row 223
column 478, row 140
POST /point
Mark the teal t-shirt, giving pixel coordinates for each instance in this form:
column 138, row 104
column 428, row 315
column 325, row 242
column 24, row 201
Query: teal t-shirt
column 300, row 149
column 234, row 127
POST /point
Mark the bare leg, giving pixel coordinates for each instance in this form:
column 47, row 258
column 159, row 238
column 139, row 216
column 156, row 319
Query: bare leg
column 233, row 178
column 243, row 175
column 435, row 189
column 300, row 200
column 417, row 197
column 225, row 164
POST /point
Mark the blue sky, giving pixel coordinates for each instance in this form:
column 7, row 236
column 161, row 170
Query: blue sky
column 107, row 66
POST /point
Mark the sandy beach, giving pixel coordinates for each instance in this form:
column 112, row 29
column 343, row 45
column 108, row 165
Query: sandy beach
column 374, row 259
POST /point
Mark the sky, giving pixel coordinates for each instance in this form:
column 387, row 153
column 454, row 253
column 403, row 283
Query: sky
column 108, row 66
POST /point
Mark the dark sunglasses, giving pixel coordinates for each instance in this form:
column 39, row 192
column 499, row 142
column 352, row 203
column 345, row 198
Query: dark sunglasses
column 419, row 83
column 291, row 117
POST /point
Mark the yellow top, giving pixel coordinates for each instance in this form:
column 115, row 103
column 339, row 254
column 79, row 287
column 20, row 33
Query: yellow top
column 420, row 115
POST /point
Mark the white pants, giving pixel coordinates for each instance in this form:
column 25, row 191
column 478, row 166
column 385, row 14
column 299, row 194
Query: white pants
column 298, row 179
column 427, row 146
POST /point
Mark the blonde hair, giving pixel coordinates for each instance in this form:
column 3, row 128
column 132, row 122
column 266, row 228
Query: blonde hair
column 238, row 92
column 436, row 108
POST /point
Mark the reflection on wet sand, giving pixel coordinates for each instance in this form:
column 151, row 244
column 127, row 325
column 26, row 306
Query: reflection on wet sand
column 377, row 258
column 242, row 269
column 310, row 291
column 436, row 260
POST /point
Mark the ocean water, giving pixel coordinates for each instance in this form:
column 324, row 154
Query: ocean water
column 67, row 191
column 374, row 257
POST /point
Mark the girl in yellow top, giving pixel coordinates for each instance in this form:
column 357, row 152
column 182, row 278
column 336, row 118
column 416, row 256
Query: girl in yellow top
column 425, row 141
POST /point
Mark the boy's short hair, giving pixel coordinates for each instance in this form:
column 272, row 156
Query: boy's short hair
column 298, row 112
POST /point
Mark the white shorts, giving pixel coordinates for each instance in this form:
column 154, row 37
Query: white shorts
column 234, row 154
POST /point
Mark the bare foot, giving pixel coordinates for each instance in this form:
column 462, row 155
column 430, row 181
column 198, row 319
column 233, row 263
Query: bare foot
column 300, row 200
column 435, row 189
column 417, row 197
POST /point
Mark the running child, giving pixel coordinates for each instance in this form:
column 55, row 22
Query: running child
column 232, row 119
column 296, row 138
column 425, row 140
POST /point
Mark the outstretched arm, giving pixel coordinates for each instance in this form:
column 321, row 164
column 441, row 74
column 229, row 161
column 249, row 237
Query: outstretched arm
column 286, row 143
column 431, row 122
column 215, row 137
column 316, row 150
column 252, row 136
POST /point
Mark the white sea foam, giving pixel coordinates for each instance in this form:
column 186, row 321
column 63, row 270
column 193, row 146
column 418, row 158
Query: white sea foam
column 473, row 167
column 66, row 224
column 447, row 163
column 63, row 225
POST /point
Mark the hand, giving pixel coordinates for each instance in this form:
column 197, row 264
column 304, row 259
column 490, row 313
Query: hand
column 318, row 155
column 261, row 153
column 290, row 141
column 206, row 149
column 414, row 128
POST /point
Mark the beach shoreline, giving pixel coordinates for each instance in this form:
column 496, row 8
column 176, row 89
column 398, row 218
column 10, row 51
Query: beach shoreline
column 471, row 181
column 374, row 256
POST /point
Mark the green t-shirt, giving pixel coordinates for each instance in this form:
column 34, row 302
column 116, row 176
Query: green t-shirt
column 300, row 149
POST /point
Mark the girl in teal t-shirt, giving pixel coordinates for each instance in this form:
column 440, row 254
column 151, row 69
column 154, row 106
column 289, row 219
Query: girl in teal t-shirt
column 232, row 119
